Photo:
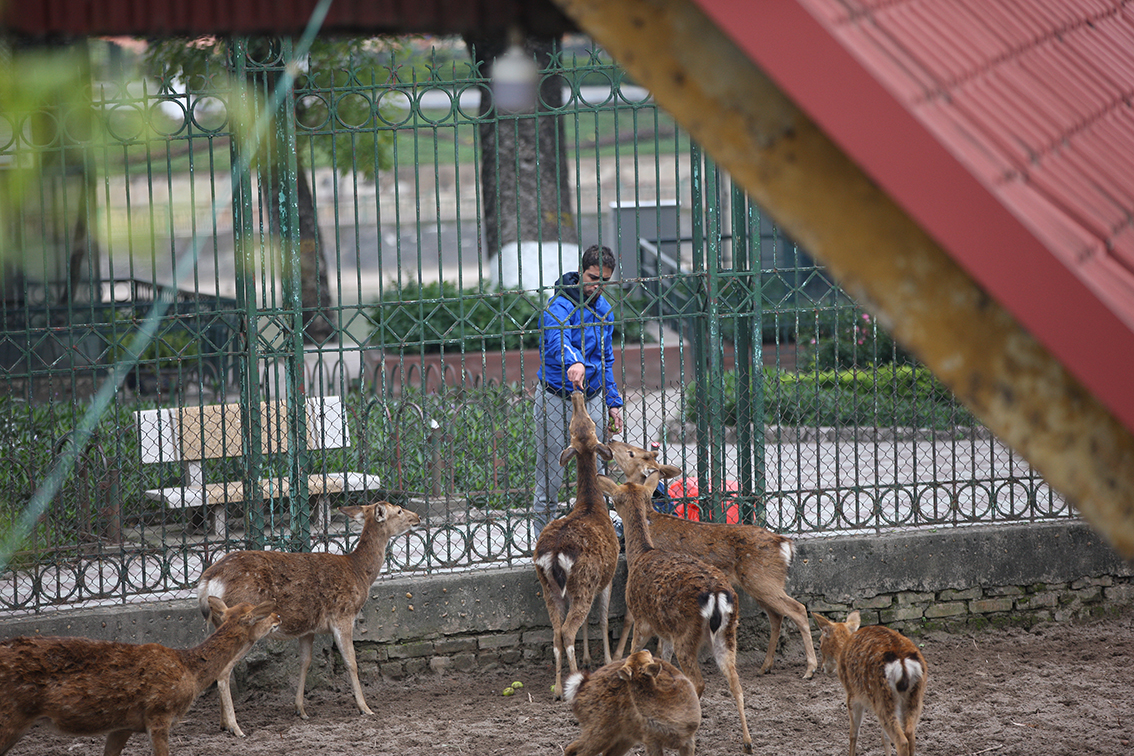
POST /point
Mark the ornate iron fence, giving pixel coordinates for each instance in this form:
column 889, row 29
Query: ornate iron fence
column 784, row 402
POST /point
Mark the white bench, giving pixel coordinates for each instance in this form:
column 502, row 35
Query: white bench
column 191, row 435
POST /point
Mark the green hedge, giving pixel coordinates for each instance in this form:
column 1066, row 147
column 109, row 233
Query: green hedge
column 882, row 396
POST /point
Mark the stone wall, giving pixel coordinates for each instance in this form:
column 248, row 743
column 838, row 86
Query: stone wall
column 958, row 579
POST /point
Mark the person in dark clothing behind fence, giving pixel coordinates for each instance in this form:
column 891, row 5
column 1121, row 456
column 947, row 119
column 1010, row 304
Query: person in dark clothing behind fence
column 577, row 353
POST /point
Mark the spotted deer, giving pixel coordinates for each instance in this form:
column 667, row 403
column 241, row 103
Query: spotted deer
column 313, row 592
column 576, row 556
column 754, row 559
column 879, row 668
column 639, row 700
column 93, row 687
column 684, row 601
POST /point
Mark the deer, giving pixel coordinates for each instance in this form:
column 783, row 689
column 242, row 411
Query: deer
column 683, row 600
column 576, row 556
column 878, row 667
column 92, row 687
column 314, row 593
column 640, row 700
column 754, row 559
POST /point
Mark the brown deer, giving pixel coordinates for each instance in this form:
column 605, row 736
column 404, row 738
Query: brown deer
column 314, row 593
column 684, row 601
column 576, row 556
column 91, row 687
column 880, row 668
column 640, row 700
column 754, row 559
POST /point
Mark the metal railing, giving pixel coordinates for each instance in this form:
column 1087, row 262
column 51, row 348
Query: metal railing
column 782, row 400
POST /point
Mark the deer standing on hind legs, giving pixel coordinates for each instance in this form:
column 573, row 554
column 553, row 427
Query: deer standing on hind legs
column 684, row 601
column 576, row 556
column 90, row 687
column 314, row 593
column 878, row 667
column 752, row 558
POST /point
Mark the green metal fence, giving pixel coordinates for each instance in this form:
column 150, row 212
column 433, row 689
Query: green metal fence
column 172, row 256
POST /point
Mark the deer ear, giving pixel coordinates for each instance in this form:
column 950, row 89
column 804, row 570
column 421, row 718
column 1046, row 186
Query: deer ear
column 353, row 512
column 854, row 619
column 566, row 455
column 216, row 606
column 381, row 511
column 606, row 485
column 652, row 669
column 604, row 451
column 263, row 610
column 821, row 621
column 626, row 671
column 652, row 481
column 669, row 471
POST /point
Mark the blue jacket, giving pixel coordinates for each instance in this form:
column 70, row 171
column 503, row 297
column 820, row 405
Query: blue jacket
column 575, row 331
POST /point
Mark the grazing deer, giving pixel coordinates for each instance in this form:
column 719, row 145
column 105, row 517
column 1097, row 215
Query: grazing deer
column 576, row 556
column 641, row 700
column 91, row 687
column 684, row 601
column 314, row 593
column 878, row 667
column 754, row 559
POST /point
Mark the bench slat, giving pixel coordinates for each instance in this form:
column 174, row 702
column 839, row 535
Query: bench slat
column 178, row 497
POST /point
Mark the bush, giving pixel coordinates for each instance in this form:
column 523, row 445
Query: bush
column 477, row 441
column 881, row 396
column 848, row 337
column 437, row 316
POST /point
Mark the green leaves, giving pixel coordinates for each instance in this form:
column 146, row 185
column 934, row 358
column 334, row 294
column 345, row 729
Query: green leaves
column 435, row 316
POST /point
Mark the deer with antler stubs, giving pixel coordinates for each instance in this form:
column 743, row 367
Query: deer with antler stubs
column 754, row 559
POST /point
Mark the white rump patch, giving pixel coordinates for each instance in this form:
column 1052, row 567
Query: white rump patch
column 894, row 671
column 214, row 587
column 710, row 605
column 786, row 550
column 571, row 686
column 546, row 561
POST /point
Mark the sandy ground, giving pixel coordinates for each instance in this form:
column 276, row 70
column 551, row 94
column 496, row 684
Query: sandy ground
column 1054, row 689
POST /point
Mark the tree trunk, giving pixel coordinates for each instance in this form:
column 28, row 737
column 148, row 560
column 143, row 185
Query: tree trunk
column 525, row 184
column 318, row 318
column 315, row 287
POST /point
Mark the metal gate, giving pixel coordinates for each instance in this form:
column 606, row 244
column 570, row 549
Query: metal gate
column 169, row 255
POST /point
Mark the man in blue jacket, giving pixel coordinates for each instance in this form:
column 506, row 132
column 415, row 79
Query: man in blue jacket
column 577, row 353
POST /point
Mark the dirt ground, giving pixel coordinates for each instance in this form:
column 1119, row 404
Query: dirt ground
column 1054, row 689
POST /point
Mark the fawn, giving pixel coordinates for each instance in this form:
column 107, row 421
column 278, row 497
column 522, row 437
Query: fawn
column 878, row 667
column 640, row 700
column 314, row 593
column 90, row 687
column 754, row 559
column 576, row 556
column 679, row 598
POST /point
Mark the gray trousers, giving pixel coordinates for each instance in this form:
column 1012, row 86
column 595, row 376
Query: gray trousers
column 552, row 417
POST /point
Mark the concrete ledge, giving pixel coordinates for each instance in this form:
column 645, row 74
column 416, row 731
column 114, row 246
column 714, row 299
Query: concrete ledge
column 958, row 578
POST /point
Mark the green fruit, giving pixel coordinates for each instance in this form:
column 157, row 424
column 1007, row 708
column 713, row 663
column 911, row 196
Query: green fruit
column 517, row 685
column 508, row 691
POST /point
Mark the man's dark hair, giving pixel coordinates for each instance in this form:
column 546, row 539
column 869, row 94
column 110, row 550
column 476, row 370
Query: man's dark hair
column 597, row 254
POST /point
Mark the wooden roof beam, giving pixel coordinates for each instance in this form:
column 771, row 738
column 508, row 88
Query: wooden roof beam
column 879, row 255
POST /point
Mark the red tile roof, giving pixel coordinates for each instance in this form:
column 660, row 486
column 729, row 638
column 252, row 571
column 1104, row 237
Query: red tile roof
column 1005, row 129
